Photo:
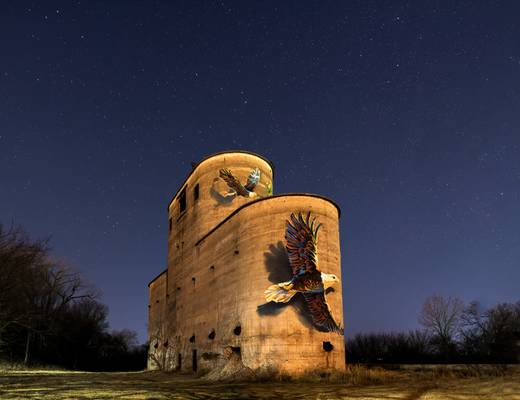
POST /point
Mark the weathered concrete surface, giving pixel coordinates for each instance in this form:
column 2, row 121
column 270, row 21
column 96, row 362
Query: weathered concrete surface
column 222, row 255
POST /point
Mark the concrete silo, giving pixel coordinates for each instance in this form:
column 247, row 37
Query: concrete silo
column 224, row 251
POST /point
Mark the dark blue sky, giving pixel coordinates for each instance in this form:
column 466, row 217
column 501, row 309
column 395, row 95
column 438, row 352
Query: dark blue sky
column 407, row 114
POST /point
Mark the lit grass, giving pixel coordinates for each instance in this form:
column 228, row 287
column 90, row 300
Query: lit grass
column 357, row 382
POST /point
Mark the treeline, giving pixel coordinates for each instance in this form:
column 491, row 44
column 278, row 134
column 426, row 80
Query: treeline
column 48, row 315
column 453, row 333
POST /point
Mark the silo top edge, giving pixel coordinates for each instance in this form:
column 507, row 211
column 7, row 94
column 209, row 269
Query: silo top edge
column 216, row 155
column 157, row 276
column 251, row 203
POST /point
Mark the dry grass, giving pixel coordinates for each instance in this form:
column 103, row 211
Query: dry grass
column 358, row 382
column 12, row 367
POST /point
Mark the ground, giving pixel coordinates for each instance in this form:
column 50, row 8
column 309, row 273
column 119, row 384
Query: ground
column 406, row 384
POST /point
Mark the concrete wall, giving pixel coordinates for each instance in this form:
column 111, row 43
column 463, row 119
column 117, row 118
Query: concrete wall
column 157, row 328
column 221, row 258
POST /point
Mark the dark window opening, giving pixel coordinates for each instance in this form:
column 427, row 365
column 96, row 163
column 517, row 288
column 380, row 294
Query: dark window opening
column 179, row 361
column 157, row 301
column 178, row 288
column 212, row 335
column 165, row 344
column 156, row 345
column 182, row 200
column 192, row 339
column 212, row 268
column 194, row 361
column 149, row 306
column 196, row 192
column 193, row 279
column 170, row 224
column 236, row 251
column 236, row 350
column 238, row 330
column 327, row 346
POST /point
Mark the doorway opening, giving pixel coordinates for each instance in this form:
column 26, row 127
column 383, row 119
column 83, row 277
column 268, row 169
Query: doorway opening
column 194, row 361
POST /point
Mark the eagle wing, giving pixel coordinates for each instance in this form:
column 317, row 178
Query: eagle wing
column 253, row 179
column 302, row 239
column 320, row 312
column 233, row 182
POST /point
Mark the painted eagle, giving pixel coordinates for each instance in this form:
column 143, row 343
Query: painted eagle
column 236, row 188
column 302, row 237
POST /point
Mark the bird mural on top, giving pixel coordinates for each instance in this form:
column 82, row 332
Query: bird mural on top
column 302, row 238
column 236, row 188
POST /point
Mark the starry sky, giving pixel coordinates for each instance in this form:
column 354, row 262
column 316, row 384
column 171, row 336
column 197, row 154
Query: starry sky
column 406, row 113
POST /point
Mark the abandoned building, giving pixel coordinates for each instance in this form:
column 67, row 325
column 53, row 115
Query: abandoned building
column 249, row 273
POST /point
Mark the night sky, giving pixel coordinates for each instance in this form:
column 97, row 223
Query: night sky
column 407, row 114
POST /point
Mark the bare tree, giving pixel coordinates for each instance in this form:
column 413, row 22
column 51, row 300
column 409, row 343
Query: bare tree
column 19, row 258
column 34, row 288
column 441, row 317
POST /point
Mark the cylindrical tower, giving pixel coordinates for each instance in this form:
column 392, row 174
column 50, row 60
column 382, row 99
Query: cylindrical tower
column 205, row 199
column 247, row 253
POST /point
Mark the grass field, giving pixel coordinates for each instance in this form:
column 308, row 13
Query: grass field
column 359, row 383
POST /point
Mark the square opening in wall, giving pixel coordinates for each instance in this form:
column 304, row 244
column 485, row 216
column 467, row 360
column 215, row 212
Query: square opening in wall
column 182, row 201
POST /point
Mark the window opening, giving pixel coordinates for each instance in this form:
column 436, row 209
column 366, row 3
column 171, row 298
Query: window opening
column 182, row 200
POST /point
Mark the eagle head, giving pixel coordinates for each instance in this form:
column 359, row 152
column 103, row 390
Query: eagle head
column 329, row 280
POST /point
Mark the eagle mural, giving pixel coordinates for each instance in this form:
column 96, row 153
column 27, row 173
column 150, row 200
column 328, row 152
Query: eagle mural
column 236, row 188
column 301, row 236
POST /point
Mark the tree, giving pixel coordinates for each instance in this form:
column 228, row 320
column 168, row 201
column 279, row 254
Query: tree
column 503, row 331
column 492, row 335
column 34, row 289
column 442, row 318
column 411, row 347
column 49, row 314
column 20, row 261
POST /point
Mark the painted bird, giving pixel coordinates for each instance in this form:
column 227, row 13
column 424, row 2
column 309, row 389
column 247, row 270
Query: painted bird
column 302, row 238
column 236, row 188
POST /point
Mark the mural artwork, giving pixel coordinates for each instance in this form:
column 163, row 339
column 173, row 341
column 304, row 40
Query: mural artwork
column 301, row 237
column 236, row 188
